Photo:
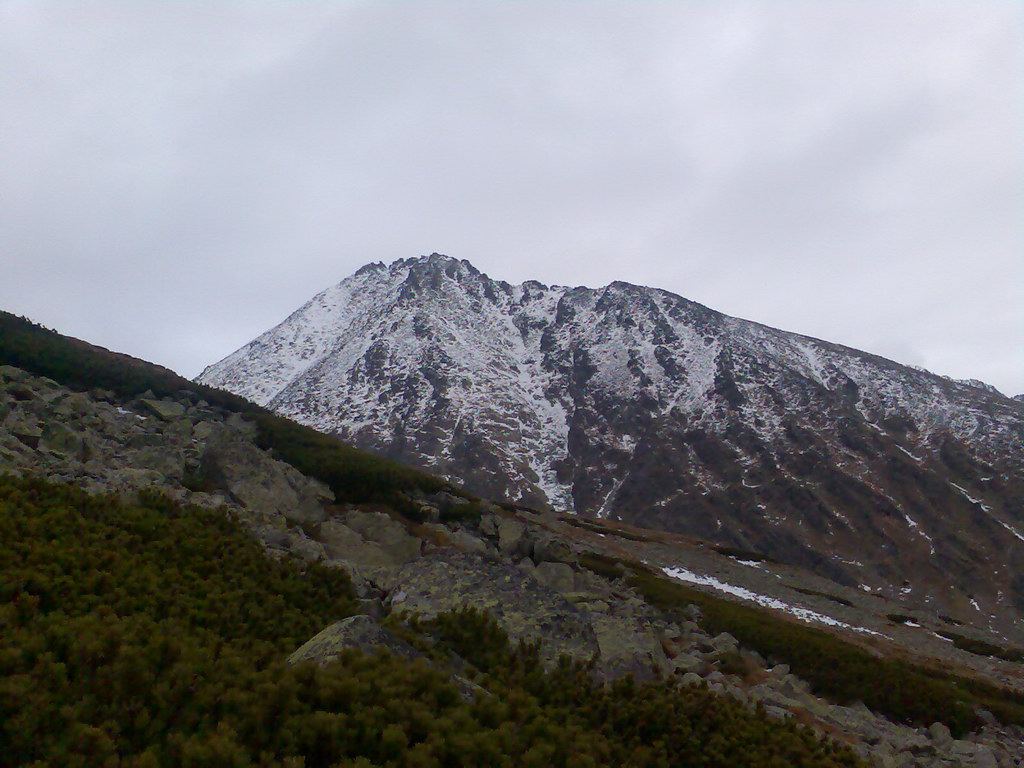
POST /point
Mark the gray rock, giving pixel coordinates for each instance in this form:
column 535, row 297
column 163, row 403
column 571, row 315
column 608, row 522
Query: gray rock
column 984, row 757
column 489, row 525
column 304, row 547
column 24, row 392
column 691, row 678
column 361, row 632
column 510, row 535
column 686, row 662
column 163, row 409
column 448, row 579
column 628, row 647
column 430, row 513
column 258, row 482
column 444, row 501
column 72, row 404
column 205, row 429
column 724, row 643
column 940, row 735
column 28, row 433
column 551, row 549
column 556, row 576
column 387, row 533
column 467, row 541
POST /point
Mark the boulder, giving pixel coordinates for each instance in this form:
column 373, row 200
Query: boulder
column 510, row 534
column 385, row 532
column 26, row 431
column 448, row 579
column 163, row 409
column 23, row 392
column 628, row 647
column 466, row 541
column 940, row 735
column 556, row 576
column 361, row 632
column 687, row 662
column 204, row 430
column 71, row 405
column 724, row 643
column 692, row 678
column 341, row 542
column 551, row 549
column 256, row 481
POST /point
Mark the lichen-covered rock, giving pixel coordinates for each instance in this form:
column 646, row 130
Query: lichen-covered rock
column 510, row 535
column 361, row 632
column 233, row 463
column 163, row 409
column 556, row 576
column 527, row 610
column 341, row 542
column 386, row 533
column 551, row 549
column 628, row 647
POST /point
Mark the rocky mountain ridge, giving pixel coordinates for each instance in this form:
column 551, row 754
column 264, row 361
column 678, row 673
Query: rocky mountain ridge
column 635, row 404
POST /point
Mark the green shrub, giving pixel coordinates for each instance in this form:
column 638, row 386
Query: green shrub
column 460, row 513
column 826, row 595
column 983, row 648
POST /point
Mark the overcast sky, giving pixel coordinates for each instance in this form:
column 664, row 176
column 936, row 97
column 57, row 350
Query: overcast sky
column 177, row 177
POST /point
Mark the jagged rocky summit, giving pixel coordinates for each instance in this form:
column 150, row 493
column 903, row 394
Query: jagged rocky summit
column 637, row 404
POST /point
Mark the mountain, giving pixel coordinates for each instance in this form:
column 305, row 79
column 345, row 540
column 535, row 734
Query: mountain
column 639, row 405
column 188, row 579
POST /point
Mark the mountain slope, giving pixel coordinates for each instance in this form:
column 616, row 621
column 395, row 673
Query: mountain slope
column 637, row 404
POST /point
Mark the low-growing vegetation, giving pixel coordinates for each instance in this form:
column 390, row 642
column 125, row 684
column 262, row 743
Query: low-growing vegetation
column 462, row 513
column 153, row 635
column 836, row 669
column 826, row 595
column 983, row 648
column 606, row 530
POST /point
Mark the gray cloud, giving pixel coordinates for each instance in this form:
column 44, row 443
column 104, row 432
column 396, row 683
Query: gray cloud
column 176, row 178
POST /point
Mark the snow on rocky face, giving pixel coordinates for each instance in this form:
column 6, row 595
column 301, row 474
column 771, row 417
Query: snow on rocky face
column 635, row 403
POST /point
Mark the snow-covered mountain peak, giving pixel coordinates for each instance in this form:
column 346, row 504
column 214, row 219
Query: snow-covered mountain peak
column 636, row 403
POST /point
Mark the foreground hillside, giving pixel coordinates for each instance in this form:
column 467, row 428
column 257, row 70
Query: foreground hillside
column 152, row 634
column 634, row 404
column 202, row 615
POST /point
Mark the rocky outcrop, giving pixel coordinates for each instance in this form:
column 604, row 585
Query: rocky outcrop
column 184, row 448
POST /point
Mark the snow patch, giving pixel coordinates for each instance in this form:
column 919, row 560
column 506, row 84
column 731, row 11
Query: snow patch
column 804, row 614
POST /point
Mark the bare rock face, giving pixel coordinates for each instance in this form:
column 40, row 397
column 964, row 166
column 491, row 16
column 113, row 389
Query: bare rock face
column 636, row 404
